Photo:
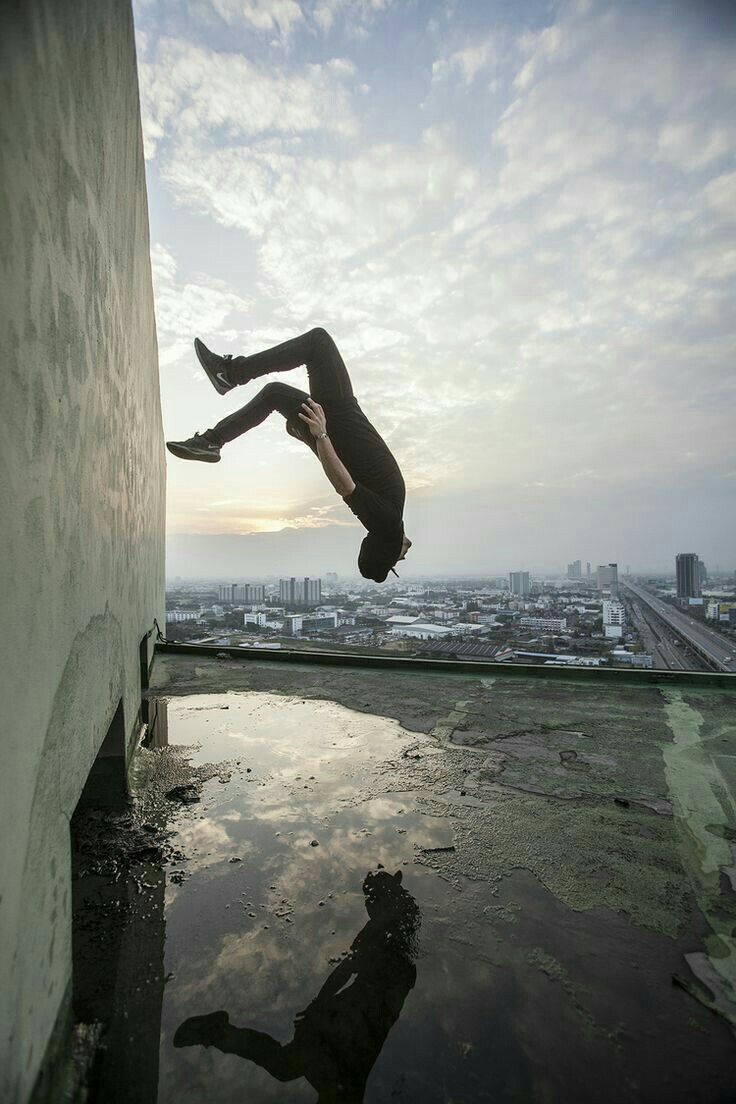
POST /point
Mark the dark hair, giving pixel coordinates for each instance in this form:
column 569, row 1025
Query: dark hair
column 377, row 556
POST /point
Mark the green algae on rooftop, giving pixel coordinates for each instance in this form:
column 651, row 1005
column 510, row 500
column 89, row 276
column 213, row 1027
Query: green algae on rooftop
column 705, row 816
column 589, row 857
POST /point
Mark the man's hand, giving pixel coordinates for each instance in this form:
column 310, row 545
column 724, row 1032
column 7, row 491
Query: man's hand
column 314, row 417
column 338, row 475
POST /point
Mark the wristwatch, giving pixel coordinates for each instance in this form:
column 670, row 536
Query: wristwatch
column 321, row 436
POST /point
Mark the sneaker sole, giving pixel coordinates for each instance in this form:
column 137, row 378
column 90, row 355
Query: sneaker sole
column 201, row 352
column 192, row 454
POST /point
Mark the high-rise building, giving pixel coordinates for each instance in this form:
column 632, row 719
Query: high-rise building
column 312, row 591
column 608, row 577
column 703, row 573
column 287, row 591
column 519, row 583
column 587, row 569
column 300, row 592
column 575, row 570
column 687, row 569
column 232, row 592
column 250, row 593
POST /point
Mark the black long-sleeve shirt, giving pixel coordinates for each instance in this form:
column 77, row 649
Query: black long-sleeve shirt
column 379, row 495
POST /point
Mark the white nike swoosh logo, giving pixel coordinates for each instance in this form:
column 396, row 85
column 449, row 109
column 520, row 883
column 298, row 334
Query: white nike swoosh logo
column 223, row 379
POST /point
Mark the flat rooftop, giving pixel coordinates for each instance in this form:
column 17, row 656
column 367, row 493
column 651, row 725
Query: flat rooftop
column 390, row 885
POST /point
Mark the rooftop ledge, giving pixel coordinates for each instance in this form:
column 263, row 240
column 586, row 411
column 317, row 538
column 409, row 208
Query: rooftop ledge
column 618, row 676
column 406, row 874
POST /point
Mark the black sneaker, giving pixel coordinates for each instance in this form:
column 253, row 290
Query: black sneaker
column 196, row 448
column 201, row 1030
column 215, row 366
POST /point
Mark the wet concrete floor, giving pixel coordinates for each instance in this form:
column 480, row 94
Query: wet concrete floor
column 388, row 887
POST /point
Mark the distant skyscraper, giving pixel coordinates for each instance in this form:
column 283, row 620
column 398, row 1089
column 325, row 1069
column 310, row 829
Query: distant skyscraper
column 575, row 570
column 519, row 583
column 250, row 593
column 608, row 577
column 703, row 573
column 299, row 592
column 312, row 591
column 233, row 592
column 687, row 569
column 587, row 569
column 287, row 591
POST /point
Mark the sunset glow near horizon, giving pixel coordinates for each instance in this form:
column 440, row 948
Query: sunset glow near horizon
column 518, row 222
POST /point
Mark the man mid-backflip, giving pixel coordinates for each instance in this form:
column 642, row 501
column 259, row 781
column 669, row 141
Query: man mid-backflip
column 356, row 459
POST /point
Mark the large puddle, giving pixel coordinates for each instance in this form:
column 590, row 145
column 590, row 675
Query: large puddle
column 319, row 946
column 295, row 944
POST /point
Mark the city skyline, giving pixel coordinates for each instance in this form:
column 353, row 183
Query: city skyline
column 464, row 196
column 231, row 565
column 599, row 621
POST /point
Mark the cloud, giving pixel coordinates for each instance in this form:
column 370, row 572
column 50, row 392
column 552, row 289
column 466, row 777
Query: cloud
column 524, row 284
column 720, row 195
column 319, row 209
column 185, row 307
column 242, row 516
column 358, row 16
column 467, row 63
column 190, row 91
column 280, row 16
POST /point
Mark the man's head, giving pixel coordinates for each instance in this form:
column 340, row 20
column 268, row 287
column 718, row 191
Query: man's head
column 377, row 557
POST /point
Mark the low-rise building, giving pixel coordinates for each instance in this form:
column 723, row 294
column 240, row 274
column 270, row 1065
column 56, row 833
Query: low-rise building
column 316, row 621
column 422, row 631
column 545, row 624
column 254, row 619
column 614, row 617
column 466, row 650
column 623, row 655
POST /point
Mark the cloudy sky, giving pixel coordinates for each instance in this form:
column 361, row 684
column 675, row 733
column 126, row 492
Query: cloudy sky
column 517, row 220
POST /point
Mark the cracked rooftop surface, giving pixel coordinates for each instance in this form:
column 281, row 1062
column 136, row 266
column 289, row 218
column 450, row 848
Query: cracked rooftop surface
column 561, row 927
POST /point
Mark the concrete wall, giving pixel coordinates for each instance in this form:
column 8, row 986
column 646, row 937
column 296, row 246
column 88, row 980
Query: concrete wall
column 82, row 485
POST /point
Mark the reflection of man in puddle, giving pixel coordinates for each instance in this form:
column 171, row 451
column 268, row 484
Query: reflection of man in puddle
column 339, row 1036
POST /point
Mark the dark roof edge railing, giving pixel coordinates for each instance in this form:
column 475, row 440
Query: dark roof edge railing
column 645, row 676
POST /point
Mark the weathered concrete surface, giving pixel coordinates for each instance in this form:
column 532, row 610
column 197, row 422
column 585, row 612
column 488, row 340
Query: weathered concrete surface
column 82, row 489
column 547, row 834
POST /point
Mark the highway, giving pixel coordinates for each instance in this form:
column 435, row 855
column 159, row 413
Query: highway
column 659, row 641
column 718, row 651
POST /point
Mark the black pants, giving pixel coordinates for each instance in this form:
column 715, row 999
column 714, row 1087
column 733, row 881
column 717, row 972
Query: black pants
column 329, row 384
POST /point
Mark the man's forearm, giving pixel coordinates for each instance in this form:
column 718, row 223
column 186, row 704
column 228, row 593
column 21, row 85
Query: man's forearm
column 335, row 470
